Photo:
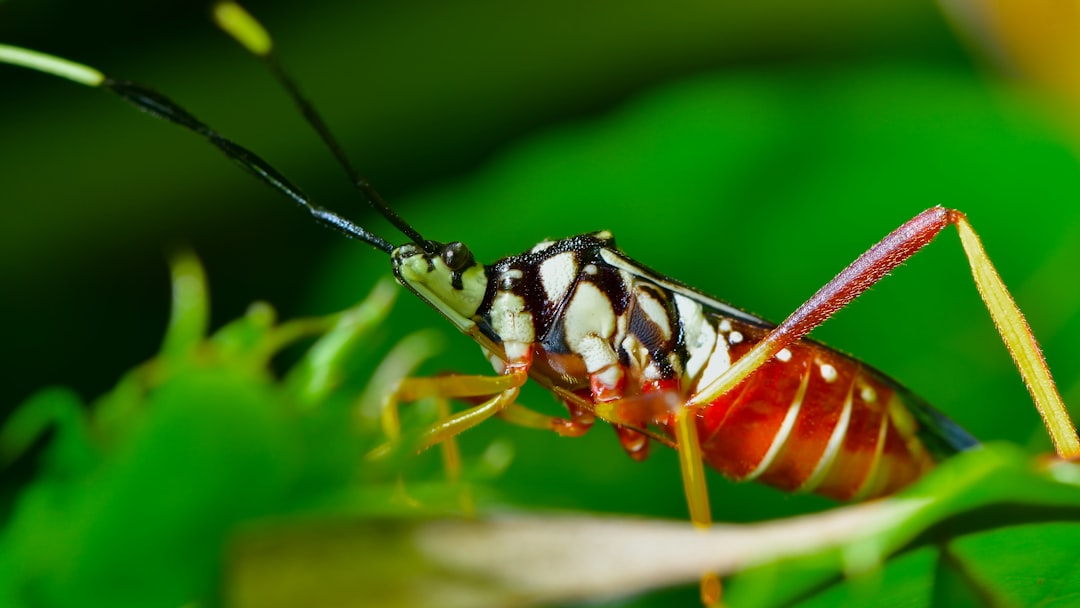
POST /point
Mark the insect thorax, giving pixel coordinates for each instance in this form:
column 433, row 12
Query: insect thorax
column 585, row 314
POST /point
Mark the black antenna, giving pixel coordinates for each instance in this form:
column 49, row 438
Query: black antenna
column 245, row 29
column 160, row 106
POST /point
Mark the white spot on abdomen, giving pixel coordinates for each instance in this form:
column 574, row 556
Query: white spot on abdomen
column 868, row 394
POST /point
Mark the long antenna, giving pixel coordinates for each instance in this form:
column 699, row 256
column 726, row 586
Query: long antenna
column 158, row 105
column 235, row 21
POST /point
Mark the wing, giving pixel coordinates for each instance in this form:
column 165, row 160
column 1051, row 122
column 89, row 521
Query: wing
column 617, row 259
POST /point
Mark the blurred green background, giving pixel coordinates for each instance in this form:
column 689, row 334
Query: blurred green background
column 751, row 150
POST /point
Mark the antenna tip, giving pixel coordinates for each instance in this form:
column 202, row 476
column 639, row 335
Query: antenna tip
column 245, row 29
column 50, row 64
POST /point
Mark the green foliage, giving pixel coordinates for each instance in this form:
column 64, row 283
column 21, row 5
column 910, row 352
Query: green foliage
column 136, row 494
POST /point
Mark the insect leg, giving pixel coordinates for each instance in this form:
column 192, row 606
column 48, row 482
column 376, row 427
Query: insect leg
column 463, row 421
column 664, row 405
column 500, row 390
column 693, row 471
column 878, row 261
column 697, row 492
column 450, row 426
column 522, row 416
column 451, row 458
column 631, row 412
column 443, row 387
column 1018, row 338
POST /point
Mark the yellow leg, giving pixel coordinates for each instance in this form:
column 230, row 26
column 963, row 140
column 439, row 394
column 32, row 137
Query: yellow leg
column 451, row 457
column 444, row 387
column 511, row 412
column 1018, row 338
column 463, row 421
column 693, row 472
column 451, row 454
column 441, row 389
column 450, row 425
column 697, row 494
column 663, row 406
column 519, row 415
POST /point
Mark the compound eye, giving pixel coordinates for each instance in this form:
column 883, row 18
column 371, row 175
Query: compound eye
column 457, row 256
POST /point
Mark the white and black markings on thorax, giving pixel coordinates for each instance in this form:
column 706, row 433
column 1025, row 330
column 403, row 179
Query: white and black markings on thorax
column 564, row 298
column 581, row 297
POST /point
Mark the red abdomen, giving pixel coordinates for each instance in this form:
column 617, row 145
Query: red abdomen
column 813, row 420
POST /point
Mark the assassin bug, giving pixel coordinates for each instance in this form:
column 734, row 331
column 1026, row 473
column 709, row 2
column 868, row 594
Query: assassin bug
column 655, row 358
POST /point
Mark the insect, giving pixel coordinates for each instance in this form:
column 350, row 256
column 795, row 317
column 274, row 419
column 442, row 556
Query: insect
column 659, row 360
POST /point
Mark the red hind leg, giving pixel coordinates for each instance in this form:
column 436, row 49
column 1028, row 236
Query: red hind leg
column 878, row 261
